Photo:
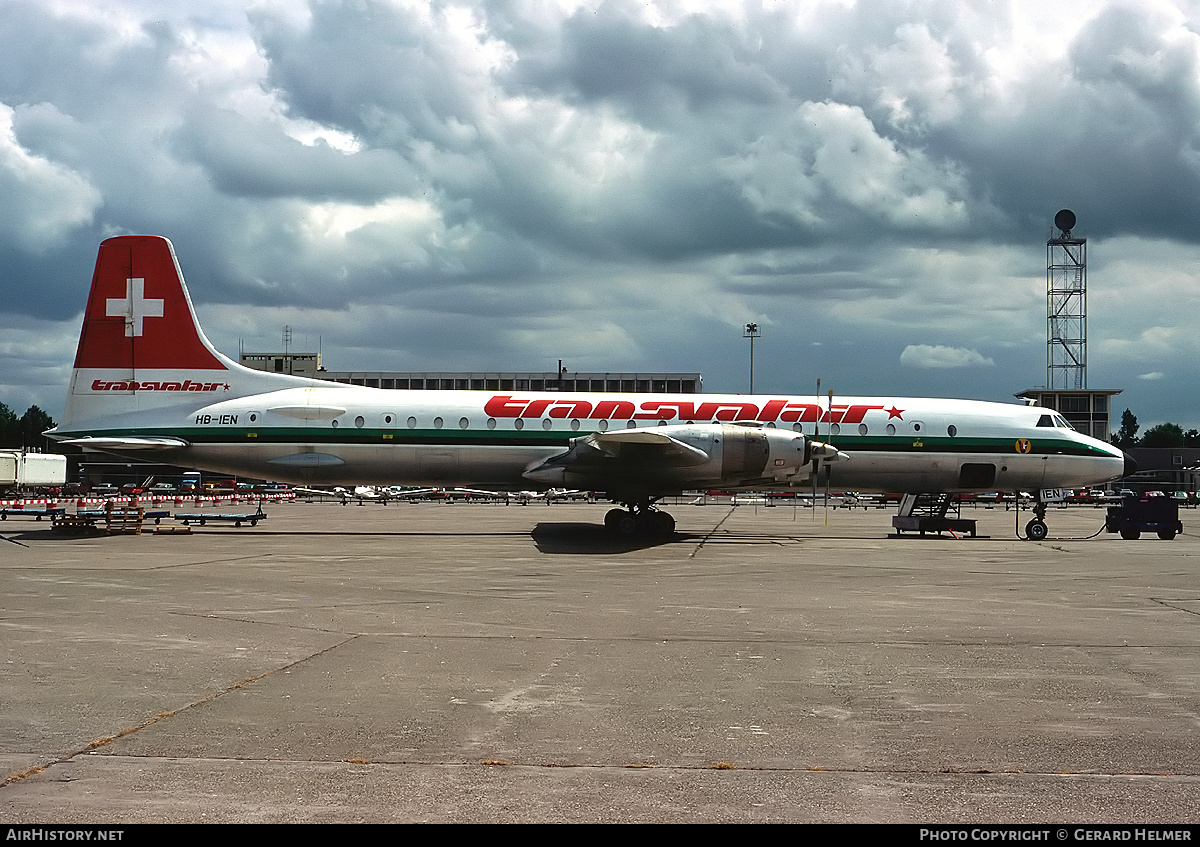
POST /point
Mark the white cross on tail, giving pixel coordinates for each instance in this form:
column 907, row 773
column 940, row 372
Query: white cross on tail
column 134, row 306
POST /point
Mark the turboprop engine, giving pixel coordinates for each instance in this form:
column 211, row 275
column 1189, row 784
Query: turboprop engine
column 685, row 456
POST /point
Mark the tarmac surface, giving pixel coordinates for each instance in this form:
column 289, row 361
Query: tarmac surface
column 487, row 663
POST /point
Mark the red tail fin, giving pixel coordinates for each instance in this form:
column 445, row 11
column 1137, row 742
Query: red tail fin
column 139, row 314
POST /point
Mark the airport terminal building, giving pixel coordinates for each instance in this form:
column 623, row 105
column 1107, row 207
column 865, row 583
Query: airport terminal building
column 309, row 365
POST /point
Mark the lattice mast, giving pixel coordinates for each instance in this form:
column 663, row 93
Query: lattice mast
column 1066, row 306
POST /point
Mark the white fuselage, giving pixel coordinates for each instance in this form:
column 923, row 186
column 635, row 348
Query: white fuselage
column 328, row 433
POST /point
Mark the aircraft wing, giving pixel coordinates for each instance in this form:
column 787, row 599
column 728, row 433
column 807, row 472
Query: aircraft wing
column 603, row 454
column 645, row 444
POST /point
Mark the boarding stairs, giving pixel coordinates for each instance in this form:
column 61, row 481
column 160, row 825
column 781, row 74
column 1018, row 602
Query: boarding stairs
column 931, row 513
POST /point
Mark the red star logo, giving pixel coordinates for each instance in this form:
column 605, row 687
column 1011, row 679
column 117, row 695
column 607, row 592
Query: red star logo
column 894, row 413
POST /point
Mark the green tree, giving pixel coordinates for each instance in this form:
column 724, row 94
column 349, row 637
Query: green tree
column 10, row 432
column 1126, row 436
column 1163, row 435
column 32, row 424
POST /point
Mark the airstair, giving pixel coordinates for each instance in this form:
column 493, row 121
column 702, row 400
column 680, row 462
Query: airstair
column 931, row 513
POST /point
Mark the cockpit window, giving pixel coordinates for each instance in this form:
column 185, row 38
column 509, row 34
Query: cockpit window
column 1062, row 423
column 1045, row 420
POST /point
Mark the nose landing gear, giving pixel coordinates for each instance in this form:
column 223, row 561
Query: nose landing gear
column 1036, row 529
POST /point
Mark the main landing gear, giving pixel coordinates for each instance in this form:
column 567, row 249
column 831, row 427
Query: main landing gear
column 639, row 519
column 1036, row 529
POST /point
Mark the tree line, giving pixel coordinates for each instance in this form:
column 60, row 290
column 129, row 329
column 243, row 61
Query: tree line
column 1162, row 435
column 24, row 431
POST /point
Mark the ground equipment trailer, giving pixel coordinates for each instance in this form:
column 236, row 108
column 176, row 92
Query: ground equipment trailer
column 1140, row 513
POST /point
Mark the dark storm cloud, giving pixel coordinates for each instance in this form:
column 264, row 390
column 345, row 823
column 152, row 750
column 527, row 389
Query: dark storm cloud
column 652, row 73
column 255, row 159
column 620, row 183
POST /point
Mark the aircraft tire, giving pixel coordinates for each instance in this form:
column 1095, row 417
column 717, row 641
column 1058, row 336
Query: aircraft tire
column 1036, row 530
column 628, row 525
column 612, row 518
column 662, row 523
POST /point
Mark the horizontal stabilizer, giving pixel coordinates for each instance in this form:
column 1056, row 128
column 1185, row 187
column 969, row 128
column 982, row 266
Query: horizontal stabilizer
column 309, row 413
column 308, row 460
column 127, row 442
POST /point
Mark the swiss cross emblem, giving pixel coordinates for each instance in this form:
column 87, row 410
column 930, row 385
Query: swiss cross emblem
column 134, row 307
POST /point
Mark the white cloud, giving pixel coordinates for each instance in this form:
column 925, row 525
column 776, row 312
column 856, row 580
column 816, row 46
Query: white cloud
column 41, row 201
column 936, row 356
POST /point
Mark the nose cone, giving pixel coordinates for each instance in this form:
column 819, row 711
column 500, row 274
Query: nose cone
column 1130, row 466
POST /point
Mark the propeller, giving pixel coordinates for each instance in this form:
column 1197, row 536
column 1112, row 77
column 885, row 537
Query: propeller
column 827, row 452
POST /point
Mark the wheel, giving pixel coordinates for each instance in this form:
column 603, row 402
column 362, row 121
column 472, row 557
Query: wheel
column 1166, row 534
column 661, row 523
column 1036, row 530
column 1131, row 534
column 613, row 517
column 628, row 525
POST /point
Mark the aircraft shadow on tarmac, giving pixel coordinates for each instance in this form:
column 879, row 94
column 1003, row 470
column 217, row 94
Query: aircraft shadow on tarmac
column 584, row 538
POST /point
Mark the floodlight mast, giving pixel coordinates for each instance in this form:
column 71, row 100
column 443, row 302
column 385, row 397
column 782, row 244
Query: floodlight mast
column 751, row 332
column 1066, row 306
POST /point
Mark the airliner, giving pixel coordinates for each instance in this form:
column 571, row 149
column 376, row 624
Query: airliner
column 147, row 382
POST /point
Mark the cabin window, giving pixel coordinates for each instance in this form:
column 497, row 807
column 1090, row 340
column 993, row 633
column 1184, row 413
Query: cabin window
column 491, row 423
column 631, row 425
column 891, row 429
column 359, row 421
column 463, row 423
column 952, row 430
column 604, row 426
column 574, row 423
column 334, row 423
column 388, row 419
column 547, row 423
column 437, row 423
column 862, row 429
column 412, row 422
column 519, row 424
column 835, row 429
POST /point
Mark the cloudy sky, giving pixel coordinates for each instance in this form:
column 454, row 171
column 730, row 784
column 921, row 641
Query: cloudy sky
column 622, row 184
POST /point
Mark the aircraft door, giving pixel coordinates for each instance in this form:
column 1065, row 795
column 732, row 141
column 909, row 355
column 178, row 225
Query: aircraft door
column 976, row 475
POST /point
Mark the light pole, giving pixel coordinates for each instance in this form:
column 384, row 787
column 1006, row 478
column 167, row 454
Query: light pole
column 751, row 332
